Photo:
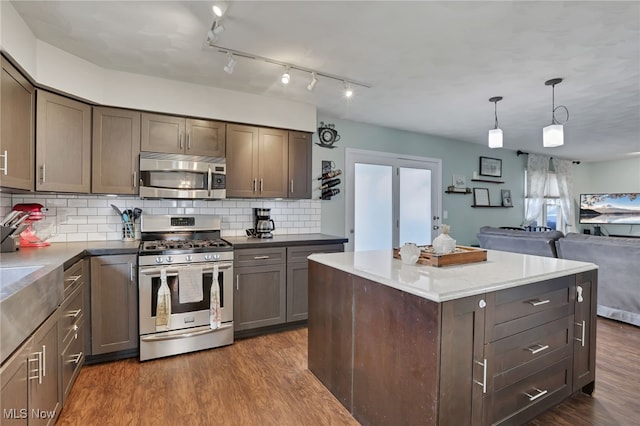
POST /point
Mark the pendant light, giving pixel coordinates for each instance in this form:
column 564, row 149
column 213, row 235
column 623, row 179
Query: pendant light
column 553, row 134
column 495, row 134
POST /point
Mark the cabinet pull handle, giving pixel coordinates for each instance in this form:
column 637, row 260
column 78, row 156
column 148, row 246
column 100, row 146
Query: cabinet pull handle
column 484, row 375
column 255, row 182
column 73, row 278
column 38, row 359
column 579, row 290
column 237, row 282
column 75, row 358
column 44, row 360
column 74, row 314
column 260, row 257
column 583, row 325
column 534, row 397
column 188, row 140
column 43, row 174
column 537, row 348
column 291, row 186
column 135, row 178
column 5, row 169
column 539, row 302
column 261, row 184
column 131, row 272
column 180, row 140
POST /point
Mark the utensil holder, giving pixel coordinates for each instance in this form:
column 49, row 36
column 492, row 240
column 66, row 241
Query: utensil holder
column 128, row 231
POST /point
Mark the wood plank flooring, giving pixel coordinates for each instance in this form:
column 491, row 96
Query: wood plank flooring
column 264, row 381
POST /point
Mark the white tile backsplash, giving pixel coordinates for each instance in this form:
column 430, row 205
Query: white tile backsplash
column 80, row 217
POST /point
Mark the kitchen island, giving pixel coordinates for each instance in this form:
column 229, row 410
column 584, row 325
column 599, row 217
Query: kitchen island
column 494, row 342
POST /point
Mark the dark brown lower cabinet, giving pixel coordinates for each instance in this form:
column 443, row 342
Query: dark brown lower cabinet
column 497, row 358
column 114, row 304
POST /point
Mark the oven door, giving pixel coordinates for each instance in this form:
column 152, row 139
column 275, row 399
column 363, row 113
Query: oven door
column 183, row 315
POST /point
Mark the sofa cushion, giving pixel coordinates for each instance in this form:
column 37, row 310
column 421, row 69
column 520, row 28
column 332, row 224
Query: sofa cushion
column 536, row 243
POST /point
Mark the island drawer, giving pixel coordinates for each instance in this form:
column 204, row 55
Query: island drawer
column 516, row 403
column 71, row 313
column 259, row 257
column 513, row 358
column 521, row 308
column 73, row 277
column 300, row 253
column 72, row 358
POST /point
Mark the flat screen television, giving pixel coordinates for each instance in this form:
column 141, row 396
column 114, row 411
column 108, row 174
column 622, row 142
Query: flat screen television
column 610, row 208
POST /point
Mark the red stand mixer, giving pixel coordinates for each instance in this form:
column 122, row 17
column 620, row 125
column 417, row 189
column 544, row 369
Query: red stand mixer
column 35, row 235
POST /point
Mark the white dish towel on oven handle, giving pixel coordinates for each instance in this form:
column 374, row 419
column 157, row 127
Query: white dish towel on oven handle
column 163, row 305
column 215, row 311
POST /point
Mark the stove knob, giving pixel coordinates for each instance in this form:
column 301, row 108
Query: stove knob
column 159, row 260
column 169, row 259
column 189, row 258
column 208, row 257
column 216, row 256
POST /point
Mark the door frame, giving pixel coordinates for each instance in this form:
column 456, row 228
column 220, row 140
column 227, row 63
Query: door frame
column 386, row 158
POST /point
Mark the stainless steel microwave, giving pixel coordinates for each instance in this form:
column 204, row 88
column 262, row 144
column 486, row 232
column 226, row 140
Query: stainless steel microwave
column 182, row 176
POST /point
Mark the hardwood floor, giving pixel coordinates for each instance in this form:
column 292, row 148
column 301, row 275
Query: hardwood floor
column 264, row 381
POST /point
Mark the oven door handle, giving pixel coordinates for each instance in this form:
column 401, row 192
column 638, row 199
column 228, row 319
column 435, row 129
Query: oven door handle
column 173, row 271
column 183, row 335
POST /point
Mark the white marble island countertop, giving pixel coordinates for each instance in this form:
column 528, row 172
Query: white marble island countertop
column 501, row 270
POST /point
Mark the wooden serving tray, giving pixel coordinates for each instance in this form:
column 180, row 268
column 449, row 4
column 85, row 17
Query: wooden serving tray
column 461, row 256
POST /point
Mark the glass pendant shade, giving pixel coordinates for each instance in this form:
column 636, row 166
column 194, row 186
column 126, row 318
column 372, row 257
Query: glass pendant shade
column 495, row 138
column 553, row 135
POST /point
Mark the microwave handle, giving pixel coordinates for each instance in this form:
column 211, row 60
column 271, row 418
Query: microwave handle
column 210, row 177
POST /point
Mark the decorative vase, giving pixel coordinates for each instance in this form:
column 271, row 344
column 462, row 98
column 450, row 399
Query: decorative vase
column 443, row 243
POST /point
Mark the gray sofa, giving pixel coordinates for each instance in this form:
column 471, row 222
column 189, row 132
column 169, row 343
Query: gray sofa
column 618, row 261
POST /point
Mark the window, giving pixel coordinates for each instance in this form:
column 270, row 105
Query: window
column 551, row 215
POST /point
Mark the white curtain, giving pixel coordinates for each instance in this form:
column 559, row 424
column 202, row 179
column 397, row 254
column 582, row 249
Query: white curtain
column 564, row 177
column 537, row 170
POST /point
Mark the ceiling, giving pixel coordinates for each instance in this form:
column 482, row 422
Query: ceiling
column 431, row 65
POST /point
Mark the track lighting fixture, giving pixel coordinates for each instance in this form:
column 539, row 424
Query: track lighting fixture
column 214, row 32
column 495, row 134
column 286, row 77
column 314, row 81
column 553, row 134
column 220, row 7
column 231, row 63
column 348, row 91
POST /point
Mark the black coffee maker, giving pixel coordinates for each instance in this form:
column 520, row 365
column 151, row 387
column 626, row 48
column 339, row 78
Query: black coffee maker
column 264, row 223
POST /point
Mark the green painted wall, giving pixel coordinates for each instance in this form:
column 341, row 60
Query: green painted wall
column 457, row 158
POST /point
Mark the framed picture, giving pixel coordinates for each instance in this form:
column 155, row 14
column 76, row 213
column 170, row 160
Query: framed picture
column 490, row 167
column 506, row 198
column 459, row 181
column 481, row 196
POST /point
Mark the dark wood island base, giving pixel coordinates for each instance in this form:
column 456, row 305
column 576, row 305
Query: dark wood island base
column 501, row 357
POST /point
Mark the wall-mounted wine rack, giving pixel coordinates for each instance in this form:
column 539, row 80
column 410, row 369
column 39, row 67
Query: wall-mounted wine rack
column 329, row 180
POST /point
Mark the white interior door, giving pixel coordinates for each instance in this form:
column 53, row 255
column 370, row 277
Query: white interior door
column 390, row 200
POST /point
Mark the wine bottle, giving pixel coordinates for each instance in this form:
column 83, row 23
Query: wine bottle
column 330, row 174
column 330, row 183
column 328, row 193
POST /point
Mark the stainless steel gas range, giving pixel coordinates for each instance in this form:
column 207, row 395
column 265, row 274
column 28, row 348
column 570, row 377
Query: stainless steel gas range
column 187, row 254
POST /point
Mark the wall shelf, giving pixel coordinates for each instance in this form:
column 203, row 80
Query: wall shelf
column 492, row 207
column 468, row 191
column 487, row 180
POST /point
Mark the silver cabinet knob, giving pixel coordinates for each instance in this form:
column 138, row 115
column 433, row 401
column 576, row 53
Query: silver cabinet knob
column 482, row 304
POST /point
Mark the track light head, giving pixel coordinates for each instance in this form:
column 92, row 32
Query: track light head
column 314, row 81
column 286, row 77
column 231, row 63
column 220, row 7
column 348, row 91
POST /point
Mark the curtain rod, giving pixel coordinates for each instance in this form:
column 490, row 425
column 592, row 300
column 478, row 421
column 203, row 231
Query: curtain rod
column 519, row 153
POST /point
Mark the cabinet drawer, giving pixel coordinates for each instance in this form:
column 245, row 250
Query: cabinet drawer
column 72, row 359
column 521, row 308
column 519, row 402
column 71, row 314
column 516, row 357
column 259, row 257
column 300, row 253
column 73, row 277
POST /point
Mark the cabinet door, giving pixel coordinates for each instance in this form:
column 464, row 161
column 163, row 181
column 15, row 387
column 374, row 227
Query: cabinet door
column 273, row 154
column 116, row 146
column 162, row 133
column 17, row 128
column 260, row 298
column 63, row 144
column 14, row 394
column 584, row 352
column 44, row 397
column 205, row 137
column 463, row 369
column 299, row 165
column 242, row 161
column 114, row 310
